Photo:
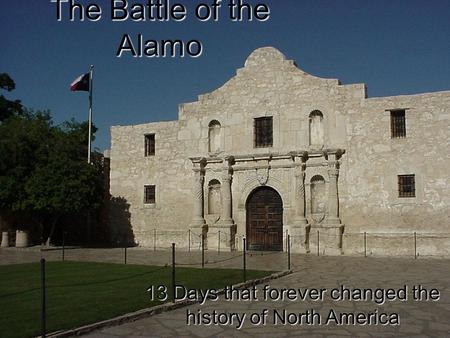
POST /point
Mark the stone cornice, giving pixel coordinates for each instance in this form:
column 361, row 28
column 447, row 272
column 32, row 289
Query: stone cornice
column 300, row 155
column 334, row 151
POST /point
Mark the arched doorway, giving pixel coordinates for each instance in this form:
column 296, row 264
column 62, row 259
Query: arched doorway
column 264, row 220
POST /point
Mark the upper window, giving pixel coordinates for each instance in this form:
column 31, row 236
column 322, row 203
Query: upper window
column 214, row 136
column 149, row 145
column 406, row 186
column 149, row 194
column 263, row 132
column 398, row 123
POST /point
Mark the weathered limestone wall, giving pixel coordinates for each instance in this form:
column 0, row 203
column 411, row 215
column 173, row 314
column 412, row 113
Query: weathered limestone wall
column 270, row 85
column 374, row 160
column 169, row 169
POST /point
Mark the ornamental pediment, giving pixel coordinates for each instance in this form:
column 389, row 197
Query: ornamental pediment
column 265, row 69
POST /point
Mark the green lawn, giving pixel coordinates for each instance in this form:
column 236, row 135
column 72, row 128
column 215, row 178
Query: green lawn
column 81, row 293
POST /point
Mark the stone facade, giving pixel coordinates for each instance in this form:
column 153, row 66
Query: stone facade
column 332, row 160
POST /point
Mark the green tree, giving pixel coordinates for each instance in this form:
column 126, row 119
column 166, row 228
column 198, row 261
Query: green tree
column 7, row 107
column 66, row 185
column 24, row 145
column 44, row 174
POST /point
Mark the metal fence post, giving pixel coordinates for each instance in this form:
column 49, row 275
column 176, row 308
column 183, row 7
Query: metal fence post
column 244, row 261
column 318, row 243
column 125, row 255
column 203, row 250
column 218, row 244
column 365, row 244
column 43, row 312
column 415, row 245
column 285, row 236
column 173, row 272
column 289, row 251
column 189, row 240
column 63, row 245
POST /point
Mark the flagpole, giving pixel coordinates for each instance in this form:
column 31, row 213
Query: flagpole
column 91, row 78
column 91, row 73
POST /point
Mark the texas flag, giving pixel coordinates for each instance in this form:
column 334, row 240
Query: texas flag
column 81, row 83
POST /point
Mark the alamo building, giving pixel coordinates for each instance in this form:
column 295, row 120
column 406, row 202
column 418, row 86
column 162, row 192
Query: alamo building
column 276, row 152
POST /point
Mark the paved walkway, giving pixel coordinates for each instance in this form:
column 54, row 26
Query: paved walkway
column 417, row 318
column 270, row 261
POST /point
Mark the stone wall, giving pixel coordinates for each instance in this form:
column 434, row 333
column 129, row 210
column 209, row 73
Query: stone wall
column 270, row 85
column 369, row 194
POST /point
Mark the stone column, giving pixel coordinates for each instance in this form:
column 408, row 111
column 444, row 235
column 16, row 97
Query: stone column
column 225, row 214
column 300, row 194
column 333, row 202
column 198, row 220
column 226, row 224
column 331, row 230
column 300, row 227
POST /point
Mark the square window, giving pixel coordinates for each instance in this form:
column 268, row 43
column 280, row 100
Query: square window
column 398, row 123
column 406, row 186
column 149, row 194
column 263, row 137
column 149, row 145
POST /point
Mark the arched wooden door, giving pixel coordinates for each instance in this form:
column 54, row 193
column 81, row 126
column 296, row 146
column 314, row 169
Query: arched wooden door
column 264, row 220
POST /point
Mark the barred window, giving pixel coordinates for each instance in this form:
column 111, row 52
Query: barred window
column 149, row 194
column 263, row 136
column 406, row 186
column 149, row 145
column 398, row 123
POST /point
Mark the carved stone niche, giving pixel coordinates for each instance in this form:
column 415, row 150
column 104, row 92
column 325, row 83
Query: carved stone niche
column 316, row 130
column 213, row 201
column 218, row 202
column 323, row 202
column 316, row 189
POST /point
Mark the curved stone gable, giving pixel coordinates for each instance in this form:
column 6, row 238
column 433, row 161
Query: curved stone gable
column 264, row 56
column 266, row 79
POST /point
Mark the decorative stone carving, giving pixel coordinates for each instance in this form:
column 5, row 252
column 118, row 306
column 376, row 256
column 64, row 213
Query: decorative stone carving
column 300, row 194
column 300, row 189
column 333, row 202
column 251, row 183
column 199, row 179
column 326, row 227
column 225, row 216
column 262, row 175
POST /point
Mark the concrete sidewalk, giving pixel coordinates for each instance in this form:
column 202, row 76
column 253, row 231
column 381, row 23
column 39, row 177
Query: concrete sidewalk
column 269, row 261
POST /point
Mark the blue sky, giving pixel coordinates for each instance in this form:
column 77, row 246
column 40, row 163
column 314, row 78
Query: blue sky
column 395, row 47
